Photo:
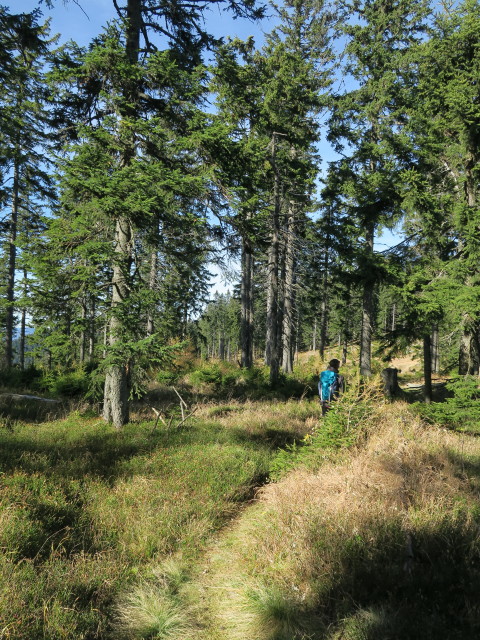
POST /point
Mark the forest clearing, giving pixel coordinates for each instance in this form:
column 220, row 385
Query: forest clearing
column 256, row 518
column 199, row 224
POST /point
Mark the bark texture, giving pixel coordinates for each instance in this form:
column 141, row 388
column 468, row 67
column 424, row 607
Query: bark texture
column 12, row 257
column 272, row 358
column 115, row 404
column 116, row 395
column 368, row 314
column 246, row 319
column 289, row 294
column 427, row 368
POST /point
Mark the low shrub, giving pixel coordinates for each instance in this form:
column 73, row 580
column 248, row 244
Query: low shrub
column 20, row 379
column 222, row 376
column 166, row 377
column 461, row 411
column 207, row 374
column 340, row 428
column 70, row 384
column 59, row 383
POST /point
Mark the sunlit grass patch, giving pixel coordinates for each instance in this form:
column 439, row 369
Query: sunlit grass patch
column 62, row 597
column 88, row 512
column 180, row 498
column 278, row 614
column 148, row 612
column 293, row 418
column 334, row 553
column 154, row 607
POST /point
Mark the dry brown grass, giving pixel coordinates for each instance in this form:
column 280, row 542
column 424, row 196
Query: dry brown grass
column 290, row 551
column 294, row 418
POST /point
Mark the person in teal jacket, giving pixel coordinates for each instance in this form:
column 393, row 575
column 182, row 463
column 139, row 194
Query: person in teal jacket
column 330, row 384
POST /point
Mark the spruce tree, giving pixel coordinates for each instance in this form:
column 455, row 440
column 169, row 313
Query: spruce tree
column 445, row 124
column 274, row 97
column 133, row 97
column 26, row 183
column 366, row 127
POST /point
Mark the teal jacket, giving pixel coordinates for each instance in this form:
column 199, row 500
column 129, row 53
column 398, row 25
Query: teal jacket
column 327, row 378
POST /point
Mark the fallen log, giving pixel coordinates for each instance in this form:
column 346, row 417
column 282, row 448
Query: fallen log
column 20, row 397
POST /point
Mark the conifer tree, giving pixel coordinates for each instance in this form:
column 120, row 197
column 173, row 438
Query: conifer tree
column 241, row 162
column 133, row 96
column 274, row 97
column 24, row 141
column 445, row 123
column 367, row 125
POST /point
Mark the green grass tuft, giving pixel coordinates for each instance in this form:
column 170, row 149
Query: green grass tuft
column 148, row 612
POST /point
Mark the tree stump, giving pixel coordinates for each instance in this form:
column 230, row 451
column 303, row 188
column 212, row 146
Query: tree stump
column 390, row 381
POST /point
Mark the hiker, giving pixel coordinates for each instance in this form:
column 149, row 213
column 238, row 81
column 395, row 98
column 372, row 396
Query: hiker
column 330, row 385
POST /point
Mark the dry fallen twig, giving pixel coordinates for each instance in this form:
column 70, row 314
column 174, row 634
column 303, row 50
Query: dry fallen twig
column 183, row 404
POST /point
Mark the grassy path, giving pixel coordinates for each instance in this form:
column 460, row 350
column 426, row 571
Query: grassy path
column 99, row 530
column 382, row 542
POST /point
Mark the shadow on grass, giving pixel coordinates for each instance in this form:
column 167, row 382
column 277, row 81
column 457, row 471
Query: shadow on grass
column 75, row 449
column 416, row 394
column 271, row 438
column 26, row 408
column 381, row 594
column 97, row 454
column 432, row 595
column 397, row 578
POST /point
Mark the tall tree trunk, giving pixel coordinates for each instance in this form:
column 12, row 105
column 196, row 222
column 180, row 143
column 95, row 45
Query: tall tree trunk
column 23, row 324
column 368, row 310
column 296, row 329
column 469, row 355
column 288, row 307
column 21, row 347
column 435, row 350
column 345, row 348
column 83, row 334
column 323, row 325
column 116, row 396
column 271, row 348
column 324, row 305
column 427, row 368
column 115, row 405
column 152, row 286
column 314, row 334
column 469, row 352
column 12, row 257
column 91, row 332
column 221, row 346
column 246, row 317
column 105, row 340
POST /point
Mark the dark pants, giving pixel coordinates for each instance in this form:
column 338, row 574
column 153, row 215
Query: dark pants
column 325, row 406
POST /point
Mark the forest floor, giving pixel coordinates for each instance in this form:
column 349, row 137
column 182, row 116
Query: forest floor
column 254, row 519
column 406, row 364
column 362, row 544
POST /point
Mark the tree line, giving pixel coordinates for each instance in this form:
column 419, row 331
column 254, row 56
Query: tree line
column 130, row 166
